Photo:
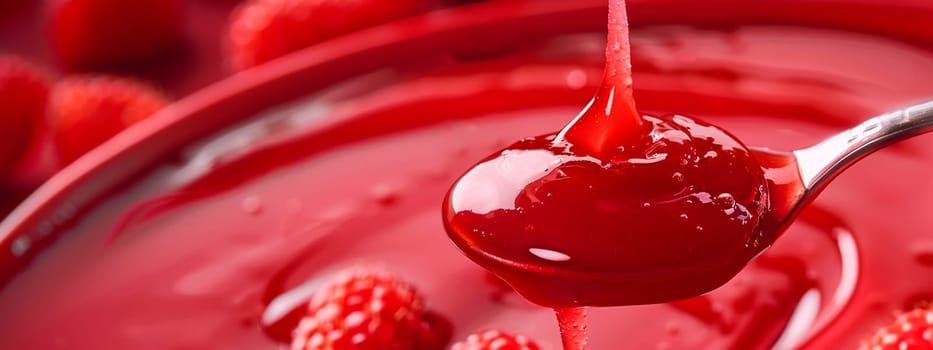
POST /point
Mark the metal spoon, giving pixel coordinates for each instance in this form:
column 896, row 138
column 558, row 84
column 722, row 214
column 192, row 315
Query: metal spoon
column 819, row 164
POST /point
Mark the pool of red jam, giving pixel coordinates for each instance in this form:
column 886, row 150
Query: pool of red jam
column 213, row 248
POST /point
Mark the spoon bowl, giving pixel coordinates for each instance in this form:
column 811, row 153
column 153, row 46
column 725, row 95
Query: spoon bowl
column 646, row 224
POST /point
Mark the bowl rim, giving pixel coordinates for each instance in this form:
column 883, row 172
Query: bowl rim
column 208, row 110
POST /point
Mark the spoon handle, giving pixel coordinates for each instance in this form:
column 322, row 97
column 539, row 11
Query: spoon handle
column 820, row 163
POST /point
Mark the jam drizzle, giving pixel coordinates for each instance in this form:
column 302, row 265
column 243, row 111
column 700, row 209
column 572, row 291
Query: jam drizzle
column 572, row 322
column 615, row 209
column 611, row 117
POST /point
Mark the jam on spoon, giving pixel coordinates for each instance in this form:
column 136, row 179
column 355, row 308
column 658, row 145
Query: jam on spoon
column 620, row 208
column 615, row 209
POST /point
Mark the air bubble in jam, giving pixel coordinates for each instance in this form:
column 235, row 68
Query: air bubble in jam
column 252, row 205
column 678, row 177
column 726, row 200
column 20, row 246
column 386, row 195
column 923, row 253
column 577, row 79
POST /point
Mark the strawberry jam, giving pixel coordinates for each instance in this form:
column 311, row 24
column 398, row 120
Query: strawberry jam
column 216, row 245
column 617, row 208
column 665, row 220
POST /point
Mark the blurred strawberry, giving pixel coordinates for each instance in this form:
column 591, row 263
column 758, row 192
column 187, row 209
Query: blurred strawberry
column 366, row 310
column 104, row 34
column 261, row 30
column 912, row 330
column 86, row 111
column 24, row 89
column 495, row 340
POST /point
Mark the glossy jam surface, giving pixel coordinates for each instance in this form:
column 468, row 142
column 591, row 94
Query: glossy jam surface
column 655, row 223
column 616, row 208
column 214, row 249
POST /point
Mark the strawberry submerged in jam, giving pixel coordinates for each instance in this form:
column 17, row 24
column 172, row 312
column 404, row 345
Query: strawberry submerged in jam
column 368, row 310
column 912, row 330
column 495, row 340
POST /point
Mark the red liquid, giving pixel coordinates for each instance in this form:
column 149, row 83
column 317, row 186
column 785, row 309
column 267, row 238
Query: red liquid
column 610, row 120
column 572, row 323
column 205, row 259
column 640, row 227
column 617, row 209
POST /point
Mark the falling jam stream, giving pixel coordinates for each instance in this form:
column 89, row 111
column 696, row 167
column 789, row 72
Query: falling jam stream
column 609, row 118
column 608, row 129
column 573, row 199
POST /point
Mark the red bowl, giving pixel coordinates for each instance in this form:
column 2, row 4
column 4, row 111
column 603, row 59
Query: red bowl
column 66, row 196
column 243, row 95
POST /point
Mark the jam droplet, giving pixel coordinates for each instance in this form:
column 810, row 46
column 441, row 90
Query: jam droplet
column 923, row 254
column 251, row 205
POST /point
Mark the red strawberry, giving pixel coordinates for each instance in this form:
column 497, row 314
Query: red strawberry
column 495, row 340
column 363, row 310
column 261, row 30
column 86, row 111
column 911, row 331
column 23, row 93
column 113, row 33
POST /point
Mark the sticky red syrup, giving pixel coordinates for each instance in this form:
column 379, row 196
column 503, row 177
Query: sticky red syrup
column 617, row 208
column 218, row 245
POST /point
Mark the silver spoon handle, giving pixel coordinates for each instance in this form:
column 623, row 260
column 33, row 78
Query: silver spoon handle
column 820, row 163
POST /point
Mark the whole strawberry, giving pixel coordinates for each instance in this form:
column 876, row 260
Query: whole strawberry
column 106, row 34
column 911, row 331
column 86, row 111
column 261, row 30
column 495, row 340
column 23, row 93
column 362, row 310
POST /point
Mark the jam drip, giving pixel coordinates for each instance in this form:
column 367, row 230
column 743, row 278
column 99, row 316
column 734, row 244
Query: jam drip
column 611, row 117
column 572, row 323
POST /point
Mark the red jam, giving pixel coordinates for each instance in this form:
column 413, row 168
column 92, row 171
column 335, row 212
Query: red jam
column 653, row 223
column 617, row 208
column 213, row 248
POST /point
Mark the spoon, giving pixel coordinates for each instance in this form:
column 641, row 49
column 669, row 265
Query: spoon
column 620, row 208
column 646, row 224
column 819, row 164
